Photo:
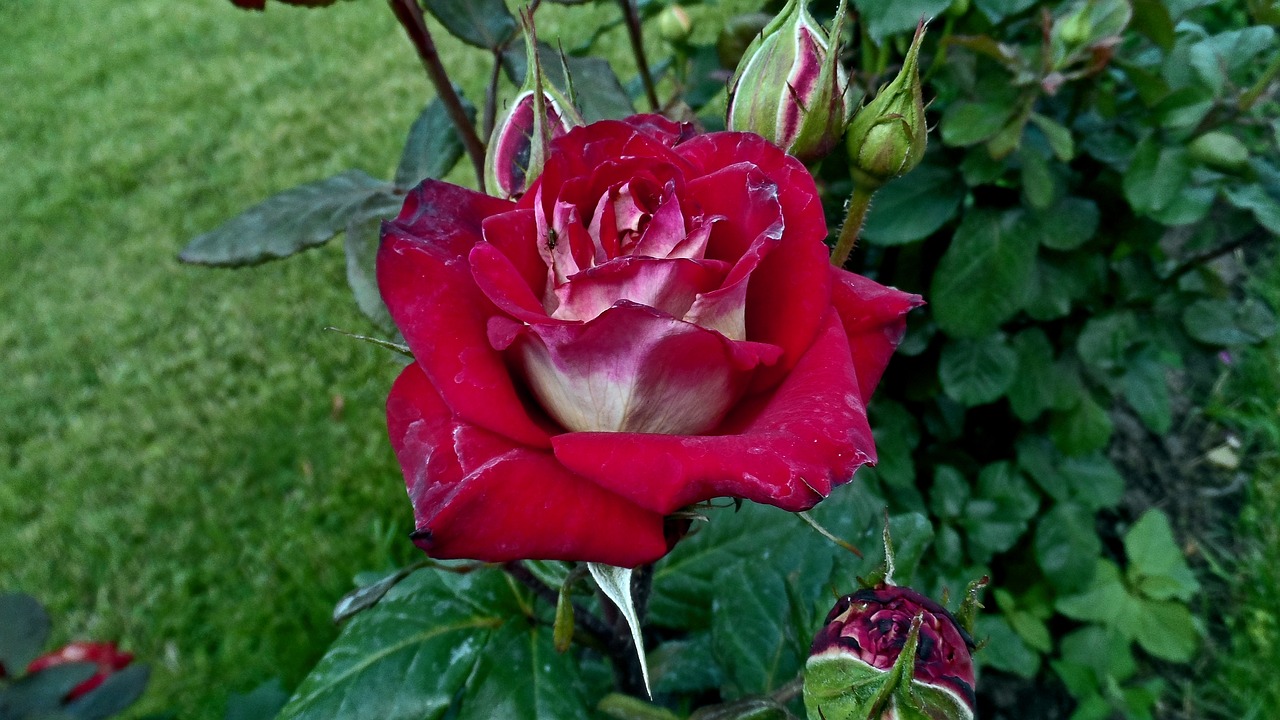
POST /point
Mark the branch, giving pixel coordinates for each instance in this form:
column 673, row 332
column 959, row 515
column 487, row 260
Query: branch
column 637, row 46
column 415, row 26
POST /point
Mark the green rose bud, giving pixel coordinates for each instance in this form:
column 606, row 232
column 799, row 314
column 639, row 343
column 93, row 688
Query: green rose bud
column 789, row 86
column 674, row 24
column 887, row 136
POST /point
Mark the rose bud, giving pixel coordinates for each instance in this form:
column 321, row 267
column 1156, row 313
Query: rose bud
column 674, row 24
column 887, row 136
column 518, row 146
column 653, row 324
column 789, row 86
column 886, row 653
column 106, row 655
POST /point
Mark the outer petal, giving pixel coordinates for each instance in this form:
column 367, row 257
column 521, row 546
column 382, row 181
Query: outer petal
column 480, row 496
column 789, row 293
column 633, row 369
column 787, row 448
column 425, row 280
column 874, row 318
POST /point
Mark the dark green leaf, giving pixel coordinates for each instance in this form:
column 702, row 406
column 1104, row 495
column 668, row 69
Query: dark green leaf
column 483, row 23
column 1190, row 206
column 1104, row 339
column 263, row 703
column 625, row 707
column 1004, row 650
column 997, row 514
column 1255, row 199
column 119, row 691
column 985, row 276
column 685, row 666
column 1107, row 652
column 1060, row 282
column 293, row 220
column 1146, row 389
column 1083, row 429
column 1068, row 224
column 40, row 694
column 1153, row 553
column 976, row 372
column 914, row 206
column 1094, row 481
column 22, row 633
column 1222, row 322
column 888, row 17
column 751, row 630
column 1067, row 546
column 1151, row 18
column 997, row 10
column 433, row 146
column 949, row 492
column 1038, row 183
column 1032, row 390
column 969, row 123
column 1059, row 136
column 365, row 597
column 896, row 433
column 1155, row 176
column 361, row 247
column 442, row 643
column 1166, row 630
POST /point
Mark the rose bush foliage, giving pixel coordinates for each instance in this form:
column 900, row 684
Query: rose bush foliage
column 653, row 324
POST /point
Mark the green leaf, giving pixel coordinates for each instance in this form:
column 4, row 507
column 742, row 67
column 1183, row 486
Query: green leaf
column 432, row 147
column 1146, row 389
column 1066, row 225
column 1067, row 546
column 483, row 23
column 361, row 247
column 1166, row 630
column 442, row 644
column 1038, row 183
column 115, row 694
column 23, row 633
column 1059, row 136
column 1155, row 176
column 686, row 666
column 1091, row 481
column 976, row 372
column 751, row 633
column 1154, row 555
column 1255, row 199
column 1104, row 340
column 914, row 206
column 1004, row 650
column 1222, row 322
column 1151, row 18
column 949, row 493
column 294, row 220
column 1107, row 652
column 997, row 514
column 1083, row 429
column 997, row 10
column 41, row 694
column 985, row 276
column 1059, row 282
column 888, row 17
column 896, row 434
column 597, row 91
column 1032, row 390
column 1032, row 630
column 1104, row 601
column 265, row 701
column 1190, row 206
column 969, row 123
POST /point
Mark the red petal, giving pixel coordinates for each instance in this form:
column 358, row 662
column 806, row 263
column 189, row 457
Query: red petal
column 515, row 234
column 875, row 318
column 426, row 283
column 791, row 290
column 480, row 496
column 787, row 448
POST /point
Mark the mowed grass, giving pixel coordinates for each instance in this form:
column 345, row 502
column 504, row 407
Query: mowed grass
column 189, row 464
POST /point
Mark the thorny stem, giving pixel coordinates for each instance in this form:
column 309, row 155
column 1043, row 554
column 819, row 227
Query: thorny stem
column 855, row 213
column 593, row 626
column 410, row 17
column 491, row 95
column 637, row 46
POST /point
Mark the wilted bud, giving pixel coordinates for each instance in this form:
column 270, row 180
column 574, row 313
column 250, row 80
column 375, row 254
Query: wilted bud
column 674, row 24
column 789, row 86
column 887, row 653
column 887, row 136
column 1220, row 151
column 105, row 655
column 518, row 147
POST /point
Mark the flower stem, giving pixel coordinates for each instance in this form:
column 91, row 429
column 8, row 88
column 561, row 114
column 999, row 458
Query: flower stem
column 415, row 26
column 856, row 212
column 592, row 625
column 637, row 46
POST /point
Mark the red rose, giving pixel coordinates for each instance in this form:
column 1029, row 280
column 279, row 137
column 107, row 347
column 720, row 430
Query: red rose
column 262, row 4
column 653, row 324
column 107, row 656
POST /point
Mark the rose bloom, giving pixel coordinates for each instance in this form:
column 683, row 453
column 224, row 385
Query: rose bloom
column 107, row 656
column 653, row 324
column 262, row 4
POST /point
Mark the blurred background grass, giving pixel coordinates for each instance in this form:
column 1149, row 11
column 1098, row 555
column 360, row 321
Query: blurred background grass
column 188, row 463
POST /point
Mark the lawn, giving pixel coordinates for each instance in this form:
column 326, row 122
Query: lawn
column 189, row 463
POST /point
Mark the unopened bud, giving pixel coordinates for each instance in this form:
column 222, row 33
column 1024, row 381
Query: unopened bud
column 887, row 653
column 789, row 86
column 518, row 146
column 674, row 24
column 887, row 136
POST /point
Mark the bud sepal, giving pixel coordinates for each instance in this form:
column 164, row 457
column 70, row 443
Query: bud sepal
column 887, row 136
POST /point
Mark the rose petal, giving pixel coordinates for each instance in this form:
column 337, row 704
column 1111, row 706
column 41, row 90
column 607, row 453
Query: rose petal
column 426, row 283
column 787, row 448
column 634, row 369
column 875, row 318
column 666, row 285
column 515, row 235
column 789, row 293
column 477, row 495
